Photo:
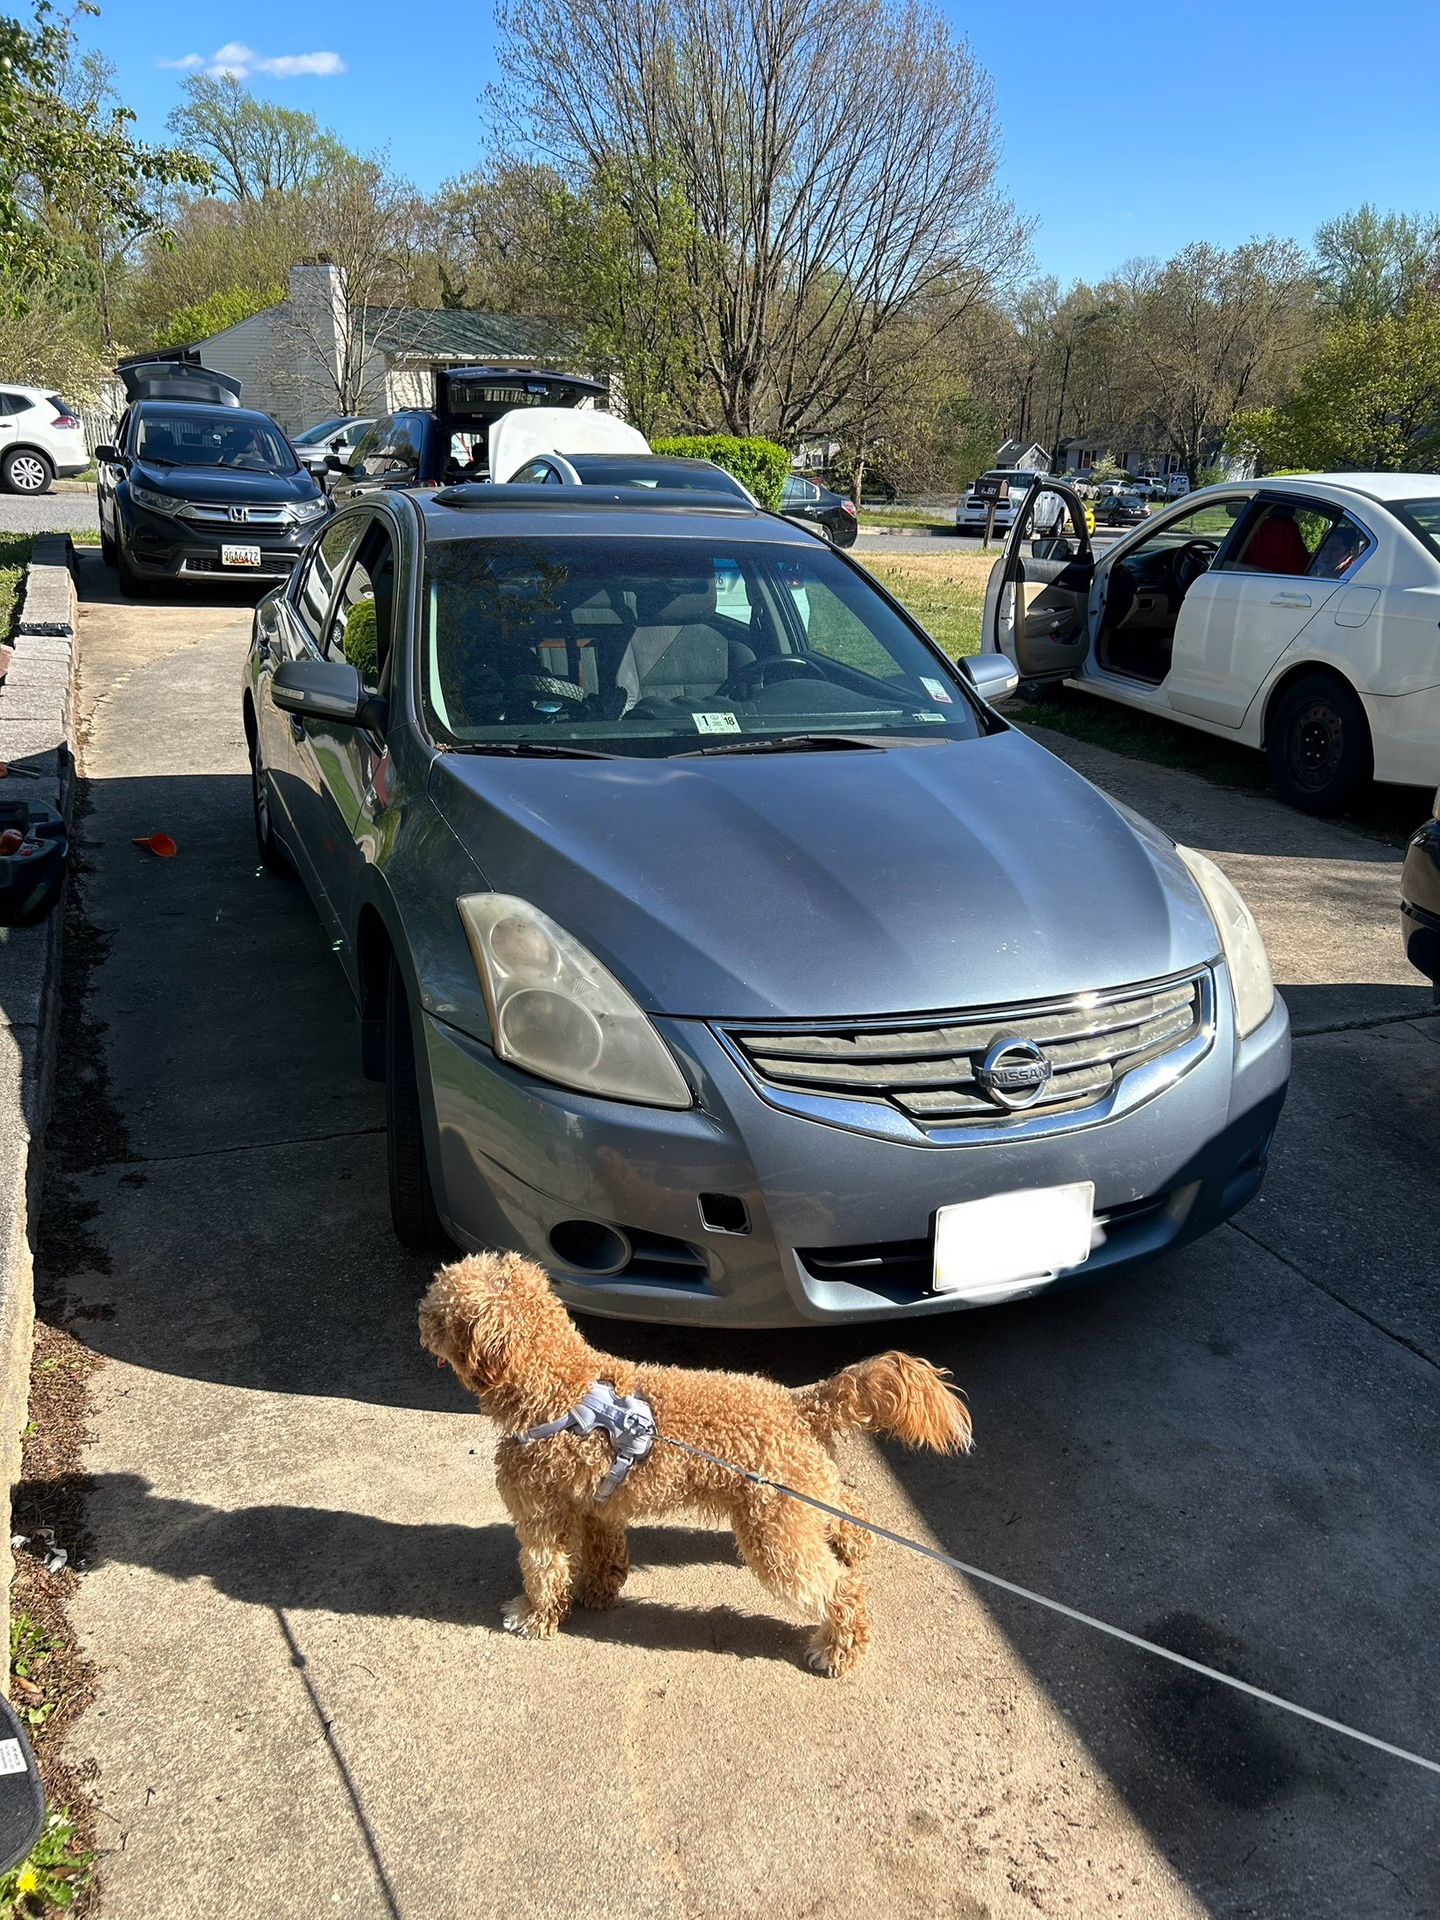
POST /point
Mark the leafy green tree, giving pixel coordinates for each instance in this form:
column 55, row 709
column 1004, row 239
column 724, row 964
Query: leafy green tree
column 1368, row 400
column 253, row 147
column 1370, row 264
column 214, row 315
column 57, row 156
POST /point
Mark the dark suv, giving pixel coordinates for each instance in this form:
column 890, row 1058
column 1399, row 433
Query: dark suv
column 197, row 487
column 436, row 446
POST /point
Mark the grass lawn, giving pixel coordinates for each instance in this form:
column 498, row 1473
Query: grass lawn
column 872, row 517
column 944, row 591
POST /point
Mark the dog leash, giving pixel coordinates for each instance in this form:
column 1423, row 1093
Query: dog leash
column 1059, row 1606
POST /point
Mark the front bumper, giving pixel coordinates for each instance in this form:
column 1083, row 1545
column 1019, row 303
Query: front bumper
column 1420, row 901
column 833, row 1225
column 160, row 547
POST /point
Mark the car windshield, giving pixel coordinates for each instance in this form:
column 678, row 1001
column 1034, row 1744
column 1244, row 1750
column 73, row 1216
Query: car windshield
column 212, row 437
column 312, row 435
column 1422, row 517
column 667, row 646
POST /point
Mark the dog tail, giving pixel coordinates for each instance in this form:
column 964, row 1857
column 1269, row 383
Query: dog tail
column 893, row 1393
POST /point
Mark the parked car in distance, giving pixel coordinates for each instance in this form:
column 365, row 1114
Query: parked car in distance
column 198, row 487
column 1297, row 616
column 40, row 438
column 314, row 447
column 972, row 514
column 449, row 442
column 815, row 505
column 718, row 945
column 654, row 470
column 1420, row 899
column 1121, row 510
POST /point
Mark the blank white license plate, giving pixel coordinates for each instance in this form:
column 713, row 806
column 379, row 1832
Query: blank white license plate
column 239, row 556
column 1012, row 1243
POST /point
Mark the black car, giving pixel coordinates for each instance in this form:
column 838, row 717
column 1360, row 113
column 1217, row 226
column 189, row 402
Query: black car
column 1420, row 899
column 1121, row 510
column 814, row 505
column 437, row 446
column 197, row 487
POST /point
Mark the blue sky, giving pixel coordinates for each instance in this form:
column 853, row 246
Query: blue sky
column 1128, row 128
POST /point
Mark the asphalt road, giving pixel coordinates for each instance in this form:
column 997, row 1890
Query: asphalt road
column 49, row 513
column 299, row 1558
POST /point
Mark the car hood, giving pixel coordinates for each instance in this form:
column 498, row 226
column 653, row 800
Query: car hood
column 220, row 486
column 832, row 885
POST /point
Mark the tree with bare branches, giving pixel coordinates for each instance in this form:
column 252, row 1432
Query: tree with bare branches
column 837, row 164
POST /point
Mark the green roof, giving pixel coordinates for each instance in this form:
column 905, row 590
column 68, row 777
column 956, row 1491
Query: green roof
column 452, row 333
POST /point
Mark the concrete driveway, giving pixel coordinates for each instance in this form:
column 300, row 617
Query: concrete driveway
column 305, row 1704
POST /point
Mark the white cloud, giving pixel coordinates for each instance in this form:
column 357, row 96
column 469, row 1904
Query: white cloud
column 237, row 61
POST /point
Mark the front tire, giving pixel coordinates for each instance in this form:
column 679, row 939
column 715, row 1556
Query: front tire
column 25, row 470
column 1318, row 743
column 107, row 547
column 413, row 1213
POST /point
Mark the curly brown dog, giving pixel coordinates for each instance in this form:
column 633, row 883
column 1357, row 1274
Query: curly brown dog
column 495, row 1320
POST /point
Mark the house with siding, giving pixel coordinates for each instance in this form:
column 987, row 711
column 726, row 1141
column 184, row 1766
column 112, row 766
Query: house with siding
column 296, row 360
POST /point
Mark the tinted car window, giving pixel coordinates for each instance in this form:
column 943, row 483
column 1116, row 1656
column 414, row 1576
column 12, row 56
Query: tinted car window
column 1422, row 517
column 656, row 646
column 318, row 574
column 360, row 625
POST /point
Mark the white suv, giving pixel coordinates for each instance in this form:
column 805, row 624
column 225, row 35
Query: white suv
column 40, row 437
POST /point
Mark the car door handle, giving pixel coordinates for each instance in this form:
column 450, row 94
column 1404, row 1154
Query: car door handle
column 1290, row 600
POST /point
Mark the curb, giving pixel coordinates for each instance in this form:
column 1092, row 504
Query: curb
column 37, row 703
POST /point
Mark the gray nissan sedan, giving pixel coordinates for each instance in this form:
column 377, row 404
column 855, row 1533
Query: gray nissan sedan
column 717, row 943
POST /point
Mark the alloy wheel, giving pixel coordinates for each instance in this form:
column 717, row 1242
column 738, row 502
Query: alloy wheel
column 28, row 473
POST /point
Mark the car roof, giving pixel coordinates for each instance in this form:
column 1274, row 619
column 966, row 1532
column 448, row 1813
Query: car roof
column 478, row 511
column 1374, row 486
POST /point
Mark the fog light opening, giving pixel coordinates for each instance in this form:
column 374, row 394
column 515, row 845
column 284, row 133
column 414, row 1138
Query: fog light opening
column 724, row 1213
column 590, row 1247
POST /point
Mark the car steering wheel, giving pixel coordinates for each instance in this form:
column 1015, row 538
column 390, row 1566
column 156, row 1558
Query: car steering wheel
column 1191, row 561
column 783, row 666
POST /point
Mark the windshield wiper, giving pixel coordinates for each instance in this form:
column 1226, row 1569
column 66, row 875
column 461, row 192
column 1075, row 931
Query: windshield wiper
column 155, row 460
column 787, row 743
column 556, row 749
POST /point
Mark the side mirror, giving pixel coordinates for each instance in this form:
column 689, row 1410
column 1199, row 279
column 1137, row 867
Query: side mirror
column 993, row 675
column 337, row 463
column 111, row 455
column 326, row 690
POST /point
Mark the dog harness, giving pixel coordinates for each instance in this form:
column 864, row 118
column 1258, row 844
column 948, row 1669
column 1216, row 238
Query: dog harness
column 628, row 1424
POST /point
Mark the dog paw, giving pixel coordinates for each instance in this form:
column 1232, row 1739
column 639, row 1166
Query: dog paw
column 517, row 1618
column 833, row 1662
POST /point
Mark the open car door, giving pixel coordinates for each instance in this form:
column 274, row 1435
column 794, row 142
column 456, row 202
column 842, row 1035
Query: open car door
column 1038, row 597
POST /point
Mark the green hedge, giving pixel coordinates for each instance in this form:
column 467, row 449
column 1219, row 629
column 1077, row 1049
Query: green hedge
column 760, row 464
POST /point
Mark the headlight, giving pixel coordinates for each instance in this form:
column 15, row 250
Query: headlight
column 1245, row 955
column 304, row 510
column 156, row 502
column 556, row 1012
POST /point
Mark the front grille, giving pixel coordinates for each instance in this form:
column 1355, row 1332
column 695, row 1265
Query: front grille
column 926, row 1069
column 220, row 516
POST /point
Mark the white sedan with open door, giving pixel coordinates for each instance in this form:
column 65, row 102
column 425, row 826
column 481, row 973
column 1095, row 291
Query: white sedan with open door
column 1299, row 616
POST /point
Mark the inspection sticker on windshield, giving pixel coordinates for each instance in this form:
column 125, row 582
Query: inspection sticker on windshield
column 716, row 722
column 937, row 690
